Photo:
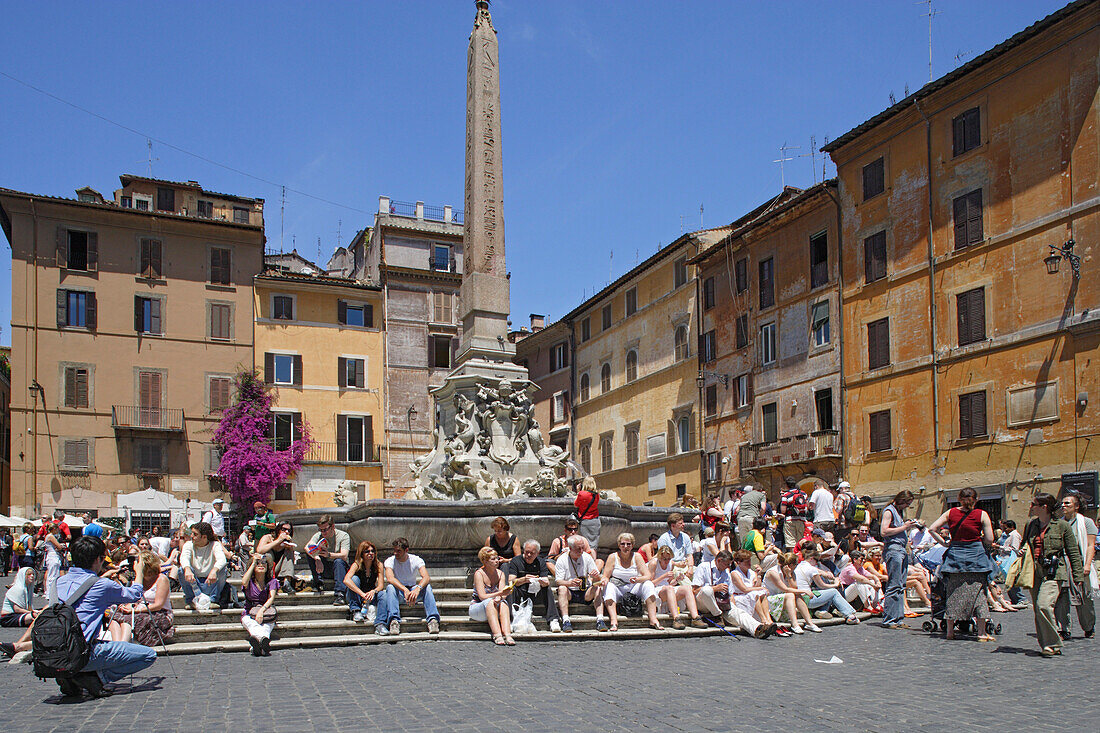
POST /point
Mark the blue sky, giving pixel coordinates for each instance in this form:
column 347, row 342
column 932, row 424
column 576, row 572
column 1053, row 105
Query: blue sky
column 620, row 119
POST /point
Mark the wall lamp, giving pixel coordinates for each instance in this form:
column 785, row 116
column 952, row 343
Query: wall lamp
column 701, row 380
column 1065, row 252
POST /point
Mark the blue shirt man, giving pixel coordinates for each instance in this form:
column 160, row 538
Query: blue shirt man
column 677, row 539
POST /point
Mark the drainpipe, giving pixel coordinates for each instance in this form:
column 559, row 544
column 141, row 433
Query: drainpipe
column 840, row 324
column 702, row 387
column 34, row 378
column 932, row 294
column 572, row 396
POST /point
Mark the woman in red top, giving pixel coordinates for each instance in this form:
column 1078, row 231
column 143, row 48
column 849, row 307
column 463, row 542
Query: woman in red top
column 588, row 511
column 966, row 565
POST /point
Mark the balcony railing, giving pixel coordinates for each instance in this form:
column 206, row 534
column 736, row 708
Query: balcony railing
column 344, row 453
column 422, row 211
column 146, row 418
column 442, row 266
column 795, row 449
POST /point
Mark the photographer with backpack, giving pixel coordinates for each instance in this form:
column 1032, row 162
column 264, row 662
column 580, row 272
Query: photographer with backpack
column 88, row 595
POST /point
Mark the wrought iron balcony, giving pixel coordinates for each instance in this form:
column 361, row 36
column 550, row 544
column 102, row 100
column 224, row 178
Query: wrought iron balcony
column 132, row 417
column 342, row 453
column 795, row 449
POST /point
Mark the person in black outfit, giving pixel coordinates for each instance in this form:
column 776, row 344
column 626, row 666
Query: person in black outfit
column 528, row 569
column 502, row 540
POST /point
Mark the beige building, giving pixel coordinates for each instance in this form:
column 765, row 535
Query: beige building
column 5, row 429
column 547, row 354
column 129, row 317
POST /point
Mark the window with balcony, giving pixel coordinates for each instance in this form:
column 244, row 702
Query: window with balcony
column 205, row 209
column 631, row 365
column 240, row 215
column 354, row 435
column 441, row 258
column 286, row 427
column 768, row 344
column 769, row 422
column 150, row 398
column 823, row 405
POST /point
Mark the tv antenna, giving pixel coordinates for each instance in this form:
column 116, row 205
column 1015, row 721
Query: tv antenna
column 282, row 216
column 931, row 14
column 150, row 159
column 784, row 159
column 700, row 216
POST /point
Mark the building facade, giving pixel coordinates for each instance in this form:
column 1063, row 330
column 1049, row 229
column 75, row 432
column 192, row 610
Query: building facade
column 965, row 363
column 5, row 430
column 769, row 347
column 547, row 354
column 319, row 343
column 127, row 320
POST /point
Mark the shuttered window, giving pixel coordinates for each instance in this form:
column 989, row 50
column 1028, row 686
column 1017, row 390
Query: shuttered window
column 968, row 219
column 631, row 446
column 606, row 317
column 584, row 387
column 710, row 395
column 819, row 323
column 220, row 265
column 352, row 372
column 219, row 392
column 147, row 315
column 166, row 200
column 966, row 131
column 586, row 329
column 767, row 283
column 442, row 312
column 631, row 301
column 708, row 346
column 220, row 320
column 874, row 178
column 680, row 338
column 605, row 378
column 149, row 457
column 880, row 430
column 605, row 453
column 819, row 260
column 77, row 250
column 76, row 386
column 874, row 256
column 76, row 309
column 76, row 454
column 769, row 422
column 971, row 312
column 878, row 343
column 972, row 422
column 631, row 365
column 150, row 398
column 742, row 330
column 282, row 307
column 743, row 386
column 680, row 274
column 150, row 265
column 741, row 274
column 350, row 313
column 708, row 293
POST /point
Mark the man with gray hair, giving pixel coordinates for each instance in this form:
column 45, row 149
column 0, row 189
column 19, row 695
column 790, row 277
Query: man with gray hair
column 530, row 574
column 578, row 581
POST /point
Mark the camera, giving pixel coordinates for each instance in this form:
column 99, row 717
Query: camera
column 1050, row 565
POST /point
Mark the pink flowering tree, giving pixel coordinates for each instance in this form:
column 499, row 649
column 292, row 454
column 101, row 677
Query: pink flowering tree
column 250, row 465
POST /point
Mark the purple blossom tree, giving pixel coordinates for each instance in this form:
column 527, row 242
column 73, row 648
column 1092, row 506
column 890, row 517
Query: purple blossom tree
column 250, row 465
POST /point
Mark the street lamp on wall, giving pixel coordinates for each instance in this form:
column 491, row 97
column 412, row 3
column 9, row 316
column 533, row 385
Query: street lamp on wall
column 701, row 380
column 1065, row 252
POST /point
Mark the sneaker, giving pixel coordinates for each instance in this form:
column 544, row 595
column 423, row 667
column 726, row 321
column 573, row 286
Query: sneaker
column 555, row 627
column 678, row 624
column 567, row 626
column 339, row 600
column 395, row 627
column 433, row 626
column 814, row 628
column 797, row 630
column 255, row 644
column 371, row 613
column 698, row 623
column 381, row 630
column 822, row 615
column 601, row 625
column 265, row 647
column 851, row 620
column 358, row 617
column 782, row 632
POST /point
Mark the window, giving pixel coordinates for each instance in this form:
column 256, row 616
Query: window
column 558, row 408
column 584, row 387
column 284, row 492
column 166, row 199
column 631, row 446
column 147, row 315
column 585, row 450
column 708, row 346
column 742, row 330
column 352, row 313
column 441, row 258
column 606, row 317
column 206, row 209
column 972, row 422
column 282, row 307
column 441, row 352
column 126, row 202
column 586, row 329
column 743, row 385
column 971, row 316
column 874, row 256
column 714, row 466
column 285, row 429
column 680, row 272
column 874, row 178
column 150, row 457
column 767, row 343
column 77, row 250
column 683, row 433
column 76, row 453
column 605, row 378
column 221, row 321
column 76, row 386
column 655, row 446
column 150, row 258
column 220, row 388
column 631, row 365
column 968, row 219
column 878, row 343
column 710, row 400
column 143, row 203
column 240, row 215
column 966, row 131
column 741, row 274
column 880, row 430
column 769, row 422
column 283, row 369
column 559, row 356
column 708, row 293
column 352, row 372
column 819, row 323
column 823, row 404
column 354, row 435
column 819, row 260
column 443, row 307
column 150, row 398
column 220, row 260
column 680, row 338
column 605, row 453
column 631, row 301
column 767, row 283
column 76, row 309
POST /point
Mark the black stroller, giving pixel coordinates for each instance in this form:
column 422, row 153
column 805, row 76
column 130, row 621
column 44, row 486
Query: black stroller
column 939, row 607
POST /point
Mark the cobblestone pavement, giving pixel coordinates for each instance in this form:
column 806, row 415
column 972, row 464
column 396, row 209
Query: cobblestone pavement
column 903, row 680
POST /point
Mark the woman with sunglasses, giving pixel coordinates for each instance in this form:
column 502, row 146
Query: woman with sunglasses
column 280, row 545
column 490, row 598
column 626, row 572
column 364, row 582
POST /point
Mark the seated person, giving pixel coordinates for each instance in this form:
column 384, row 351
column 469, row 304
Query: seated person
column 866, row 541
column 18, row 607
column 530, row 574
column 203, row 565
column 755, row 542
column 784, row 596
column 260, row 588
column 649, row 549
column 625, row 572
column 673, row 594
column 502, row 540
column 280, row 545
column 407, row 581
column 328, row 550
column 819, row 588
column 715, row 539
column 749, row 594
column 858, row 582
column 150, row 620
column 560, row 545
column 365, row 581
column 678, row 540
column 920, row 581
column 578, row 580
column 489, row 601
column 713, row 589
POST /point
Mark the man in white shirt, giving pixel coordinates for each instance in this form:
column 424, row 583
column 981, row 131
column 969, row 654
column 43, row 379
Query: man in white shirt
column 731, row 507
column 678, row 541
column 578, row 581
column 714, row 586
column 161, row 544
column 215, row 518
column 821, row 503
column 407, row 582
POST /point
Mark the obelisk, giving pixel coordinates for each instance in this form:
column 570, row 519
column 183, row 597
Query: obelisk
column 484, row 299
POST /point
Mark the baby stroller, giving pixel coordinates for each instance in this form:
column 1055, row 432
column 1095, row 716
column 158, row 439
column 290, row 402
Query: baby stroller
column 939, row 604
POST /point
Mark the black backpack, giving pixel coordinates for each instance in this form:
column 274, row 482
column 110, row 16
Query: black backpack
column 58, row 646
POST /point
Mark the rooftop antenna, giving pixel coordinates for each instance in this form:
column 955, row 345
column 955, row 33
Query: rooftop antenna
column 282, row 215
column 813, row 157
column 783, row 158
column 339, row 226
column 681, row 223
column 700, row 216
column 824, row 158
column 318, row 249
column 150, row 159
column 931, row 14
column 610, row 264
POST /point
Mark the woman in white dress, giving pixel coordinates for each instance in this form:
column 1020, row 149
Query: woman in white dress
column 672, row 592
column 749, row 594
column 626, row 572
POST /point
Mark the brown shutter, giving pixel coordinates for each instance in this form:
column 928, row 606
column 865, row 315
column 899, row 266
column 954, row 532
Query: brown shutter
column 62, row 247
column 93, row 251
column 974, row 217
column 82, row 377
column 144, row 258
column 974, row 129
column 360, row 373
column 960, row 222
column 341, row 437
column 869, row 259
column 296, row 426
column 748, row 381
column 368, row 317
column 977, row 314
column 958, row 135
column 341, row 312
column 269, row 368
column 962, row 306
column 139, row 321
column 977, row 413
column 62, row 308
column 965, row 425
column 155, row 260
column 154, row 319
column 90, row 311
column 70, row 386
column 297, row 370
column 368, row 437
column 342, row 368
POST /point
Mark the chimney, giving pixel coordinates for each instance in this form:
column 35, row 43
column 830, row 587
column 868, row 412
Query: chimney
column 419, row 209
column 537, row 322
column 383, row 204
column 448, row 214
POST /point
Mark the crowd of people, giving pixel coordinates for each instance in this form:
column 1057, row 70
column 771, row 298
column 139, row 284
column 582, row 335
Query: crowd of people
column 759, row 569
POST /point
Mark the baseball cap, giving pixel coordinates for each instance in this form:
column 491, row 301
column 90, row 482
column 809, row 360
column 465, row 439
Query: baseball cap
column 258, row 505
column 844, row 485
column 217, row 501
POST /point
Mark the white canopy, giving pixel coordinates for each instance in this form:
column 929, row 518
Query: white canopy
column 12, row 521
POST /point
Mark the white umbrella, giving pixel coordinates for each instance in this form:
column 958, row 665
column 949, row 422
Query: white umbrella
column 73, row 521
column 14, row 521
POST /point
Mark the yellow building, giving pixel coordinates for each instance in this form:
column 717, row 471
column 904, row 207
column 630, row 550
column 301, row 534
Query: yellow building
column 319, row 343
column 635, row 415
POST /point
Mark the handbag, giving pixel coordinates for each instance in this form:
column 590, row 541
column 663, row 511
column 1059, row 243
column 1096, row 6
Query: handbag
column 1021, row 573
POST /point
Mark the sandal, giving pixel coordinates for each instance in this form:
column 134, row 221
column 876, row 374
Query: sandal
column 986, row 637
column 614, row 627
column 656, row 626
column 499, row 640
column 1048, row 651
column 509, row 641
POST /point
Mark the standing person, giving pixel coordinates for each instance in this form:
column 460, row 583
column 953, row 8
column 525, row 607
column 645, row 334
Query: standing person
column 846, row 521
column 1084, row 531
column 328, row 551
column 407, row 580
column 502, row 540
column 214, row 517
column 731, row 506
column 793, row 508
column 203, row 563
column 5, row 550
column 895, row 537
column 1051, row 541
column 26, row 544
column 966, row 565
column 281, row 547
column 530, row 574
column 588, row 511
column 263, row 521
column 55, row 548
column 489, row 601
column 751, row 506
column 258, row 618
column 365, row 581
column 821, row 503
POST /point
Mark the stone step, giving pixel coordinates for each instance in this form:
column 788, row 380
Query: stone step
column 309, row 598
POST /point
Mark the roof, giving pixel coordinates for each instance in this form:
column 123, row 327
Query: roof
column 934, row 86
column 128, row 178
column 342, row 282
